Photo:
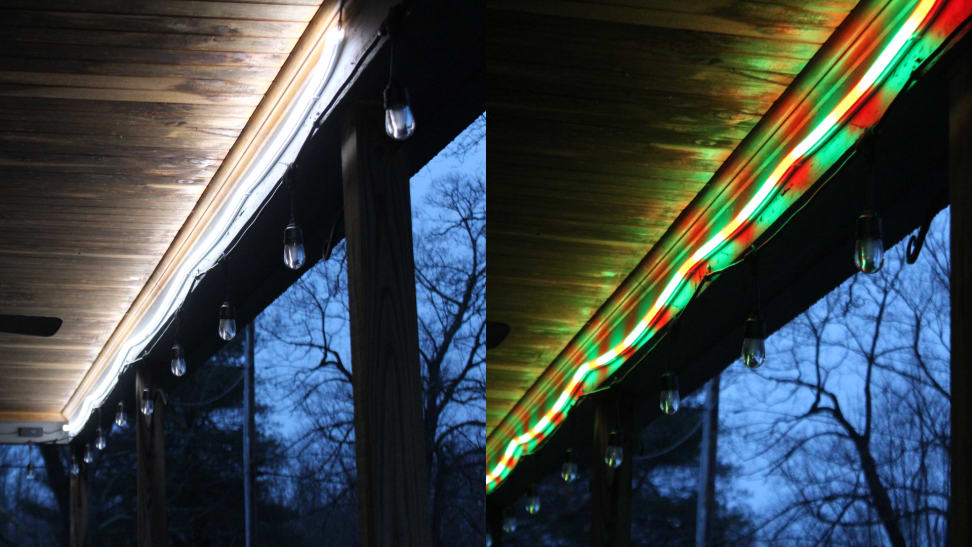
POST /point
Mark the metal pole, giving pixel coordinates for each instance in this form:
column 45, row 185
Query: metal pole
column 248, row 430
column 705, row 512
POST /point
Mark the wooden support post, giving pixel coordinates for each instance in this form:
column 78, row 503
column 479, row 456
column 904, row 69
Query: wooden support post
column 960, row 197
column 79, row 499
column 389, row 440
column 249, row 430
column 150, row 448
column 611, row 488
column 494, row 523
column 705, row 506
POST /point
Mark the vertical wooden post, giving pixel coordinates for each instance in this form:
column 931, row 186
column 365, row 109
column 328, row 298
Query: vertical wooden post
column 249, row 430
column 705, row 507
column 611, row 488
column 79, row 499
column 494, row 523
column 389, row 440
column 960, row 197
column 150, row 448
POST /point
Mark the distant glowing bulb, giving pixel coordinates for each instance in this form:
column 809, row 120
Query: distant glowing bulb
column 100, row 439
column 869, row 246
column 399, row 122
column 293, row 246
column 754, row 345
column 614, row 453
column 75, row 468
column 227, row 321
column 509, row 523
column 669, row 397
column 147, row 404
column 532, row 501
column 120, row 419
column 30, row 470
column 177, row 364
column 88, row 456
column 568, row 471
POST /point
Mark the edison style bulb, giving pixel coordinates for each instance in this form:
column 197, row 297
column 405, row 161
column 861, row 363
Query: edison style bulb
column 754, row 345
column 532, row 501
column 88, row 456
column 100, row 439
column 568, row 471
column 75, row 468
column 30, row 470
column 614, row 453
column 669, row 397
column 121, row 420
column 227, row 321
column 178, row 361
column 147, row 404
column 293, row 246
column 869, row 245
column 399, row 122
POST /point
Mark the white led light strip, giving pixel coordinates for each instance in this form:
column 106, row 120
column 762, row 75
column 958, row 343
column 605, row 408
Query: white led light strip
column 248, row 194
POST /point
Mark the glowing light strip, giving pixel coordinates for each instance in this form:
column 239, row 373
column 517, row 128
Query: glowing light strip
column 248, row 195
column 537, row 432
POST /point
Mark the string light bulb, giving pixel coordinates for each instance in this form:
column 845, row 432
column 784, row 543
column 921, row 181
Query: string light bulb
column 30, row 470
column 100, row 439
column 75, row 468
column 30, row 461
column 614, row 453
column 669, row 397
column 148, row 406
column 568, row 471
column 869, row 245
column 293, row 254
column 532, row 500
column 121, row 420
column 399, row 121
column 754, row 342
column 227, row 321
column 177, row 363
column 88, row 456
column 509, row 521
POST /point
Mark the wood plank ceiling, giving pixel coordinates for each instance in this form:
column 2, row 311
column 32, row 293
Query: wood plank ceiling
column 114, row 115
column 606, row 119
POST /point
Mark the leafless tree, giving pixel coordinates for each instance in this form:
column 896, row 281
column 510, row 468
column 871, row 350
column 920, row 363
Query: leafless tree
column 851, row 411
column 450, row 261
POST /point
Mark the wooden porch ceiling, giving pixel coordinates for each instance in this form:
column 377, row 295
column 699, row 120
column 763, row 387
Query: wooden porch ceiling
column 607, row 119
column 114, row 116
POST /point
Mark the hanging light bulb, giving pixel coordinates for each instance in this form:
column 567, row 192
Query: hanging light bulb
column 614, row 453
column 30, row 461
column 509, row 521
column 532, row 500
column 568, row 471
column 75, row 468
column 293, row 246
column 30, row 470
column 399, row 121
column 178, row 362
column 147, row 404
column 121, row 420
column 88, row 456
column 100, row 439
column 669, row 397
column 227, row 321
column 869, row 246
column 754, row 346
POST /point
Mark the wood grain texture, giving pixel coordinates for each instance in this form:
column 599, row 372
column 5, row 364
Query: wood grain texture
column 389, row 445
column 608, row 118
column 114, row 117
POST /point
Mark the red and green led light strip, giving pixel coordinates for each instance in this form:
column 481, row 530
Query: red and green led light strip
column 673, row 298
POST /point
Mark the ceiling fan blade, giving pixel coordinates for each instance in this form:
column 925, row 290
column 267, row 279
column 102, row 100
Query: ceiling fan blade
column 29, row 325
